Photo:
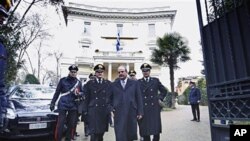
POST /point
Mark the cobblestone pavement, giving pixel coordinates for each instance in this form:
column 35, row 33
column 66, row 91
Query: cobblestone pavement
column 176, row 126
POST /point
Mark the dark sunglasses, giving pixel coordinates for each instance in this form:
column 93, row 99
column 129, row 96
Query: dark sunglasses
column 145, row 70
column 73, row 71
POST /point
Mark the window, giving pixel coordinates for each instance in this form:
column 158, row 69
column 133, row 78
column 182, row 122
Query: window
column 86, row 30
column 119, row 28
column 151, row 30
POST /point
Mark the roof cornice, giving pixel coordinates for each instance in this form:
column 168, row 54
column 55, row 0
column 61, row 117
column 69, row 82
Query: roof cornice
column 106, row 13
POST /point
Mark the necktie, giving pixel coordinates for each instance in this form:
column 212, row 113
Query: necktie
column 99, row 80
column 147, row 79
column 123, row 83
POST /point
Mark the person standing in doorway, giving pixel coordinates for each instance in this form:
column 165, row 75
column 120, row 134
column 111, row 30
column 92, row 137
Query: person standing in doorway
column 194, row 100
column 125, row 105
column 96, row 94
column 153, row 93
column 68, row 91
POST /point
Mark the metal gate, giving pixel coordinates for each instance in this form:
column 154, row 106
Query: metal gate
column 225, row 38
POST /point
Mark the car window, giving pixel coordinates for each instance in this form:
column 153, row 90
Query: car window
column 34, row 92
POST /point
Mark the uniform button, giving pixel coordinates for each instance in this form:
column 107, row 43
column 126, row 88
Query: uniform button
column 145, row 97
column 151, row 96
column 104, row 91
column 96, row 98
column 144, row 91
column 151, row 89
column 152, row 104
column 146, row 104
column 94, row 91
column 96, row 105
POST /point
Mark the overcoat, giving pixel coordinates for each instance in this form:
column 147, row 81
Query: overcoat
column 96, row 102
column 126, row 103
column 152, row 92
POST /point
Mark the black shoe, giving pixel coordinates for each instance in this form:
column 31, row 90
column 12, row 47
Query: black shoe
column 194, row 120
column 77, row 135
column 86, row 134
column 198, row 120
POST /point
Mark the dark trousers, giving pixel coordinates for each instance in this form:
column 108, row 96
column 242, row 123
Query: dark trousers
column 75, row 125
column 155, row 138
column 97, row 137
column 67, row 117
column 195, row 111
column 86, row 129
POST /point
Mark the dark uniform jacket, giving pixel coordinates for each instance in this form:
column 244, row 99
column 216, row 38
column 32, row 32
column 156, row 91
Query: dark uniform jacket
column 67, row 102
column 3, row 100
column 3, row 57
column 126, row 104
column 96, row 95
column 152, row 92
column 194, row 95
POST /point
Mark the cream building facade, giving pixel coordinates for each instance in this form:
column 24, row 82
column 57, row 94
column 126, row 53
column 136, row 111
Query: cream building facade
column 94, row 31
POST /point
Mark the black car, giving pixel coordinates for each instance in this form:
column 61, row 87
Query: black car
column 28, row 113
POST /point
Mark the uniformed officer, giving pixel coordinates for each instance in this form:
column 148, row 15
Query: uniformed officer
column 194, row 99
column 96, row 94
column 5, row 6
column 84, row 110
column 150, row 87
column 69, row 89
column 132, row 74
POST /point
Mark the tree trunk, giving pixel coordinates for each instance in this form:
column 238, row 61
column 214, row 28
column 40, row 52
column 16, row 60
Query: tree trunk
column 171, row 71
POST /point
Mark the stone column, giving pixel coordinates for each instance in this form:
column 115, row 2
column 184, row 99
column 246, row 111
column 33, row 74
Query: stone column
column 127, row 66
column 110, row 72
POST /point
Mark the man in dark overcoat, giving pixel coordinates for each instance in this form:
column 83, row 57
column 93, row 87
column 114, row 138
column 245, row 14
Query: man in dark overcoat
column 194, row 98
column 83, row 109
column 153, row 93
column 126, row 106
column 96, row 94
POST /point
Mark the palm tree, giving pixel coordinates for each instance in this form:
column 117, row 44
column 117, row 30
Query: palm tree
column 172, row 50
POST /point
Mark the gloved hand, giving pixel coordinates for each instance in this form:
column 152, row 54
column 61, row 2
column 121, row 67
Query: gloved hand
column 52, row 107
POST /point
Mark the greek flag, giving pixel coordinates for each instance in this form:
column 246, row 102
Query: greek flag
column 118, row 48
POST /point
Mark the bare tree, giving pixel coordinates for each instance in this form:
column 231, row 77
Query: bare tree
column 34, row 30
column 41, row 57
column 58, row 55
column 30, row 62
column 51, row 76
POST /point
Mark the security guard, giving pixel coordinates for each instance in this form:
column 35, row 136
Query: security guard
column 5, row 6
column 150, row 124
column 96, row 94
column 132, row 74
column 69, row 89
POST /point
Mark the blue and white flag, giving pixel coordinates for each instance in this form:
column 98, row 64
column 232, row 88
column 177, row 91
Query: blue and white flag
column 118, row 45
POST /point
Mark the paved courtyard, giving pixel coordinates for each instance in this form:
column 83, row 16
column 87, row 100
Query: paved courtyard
column 176, row 126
